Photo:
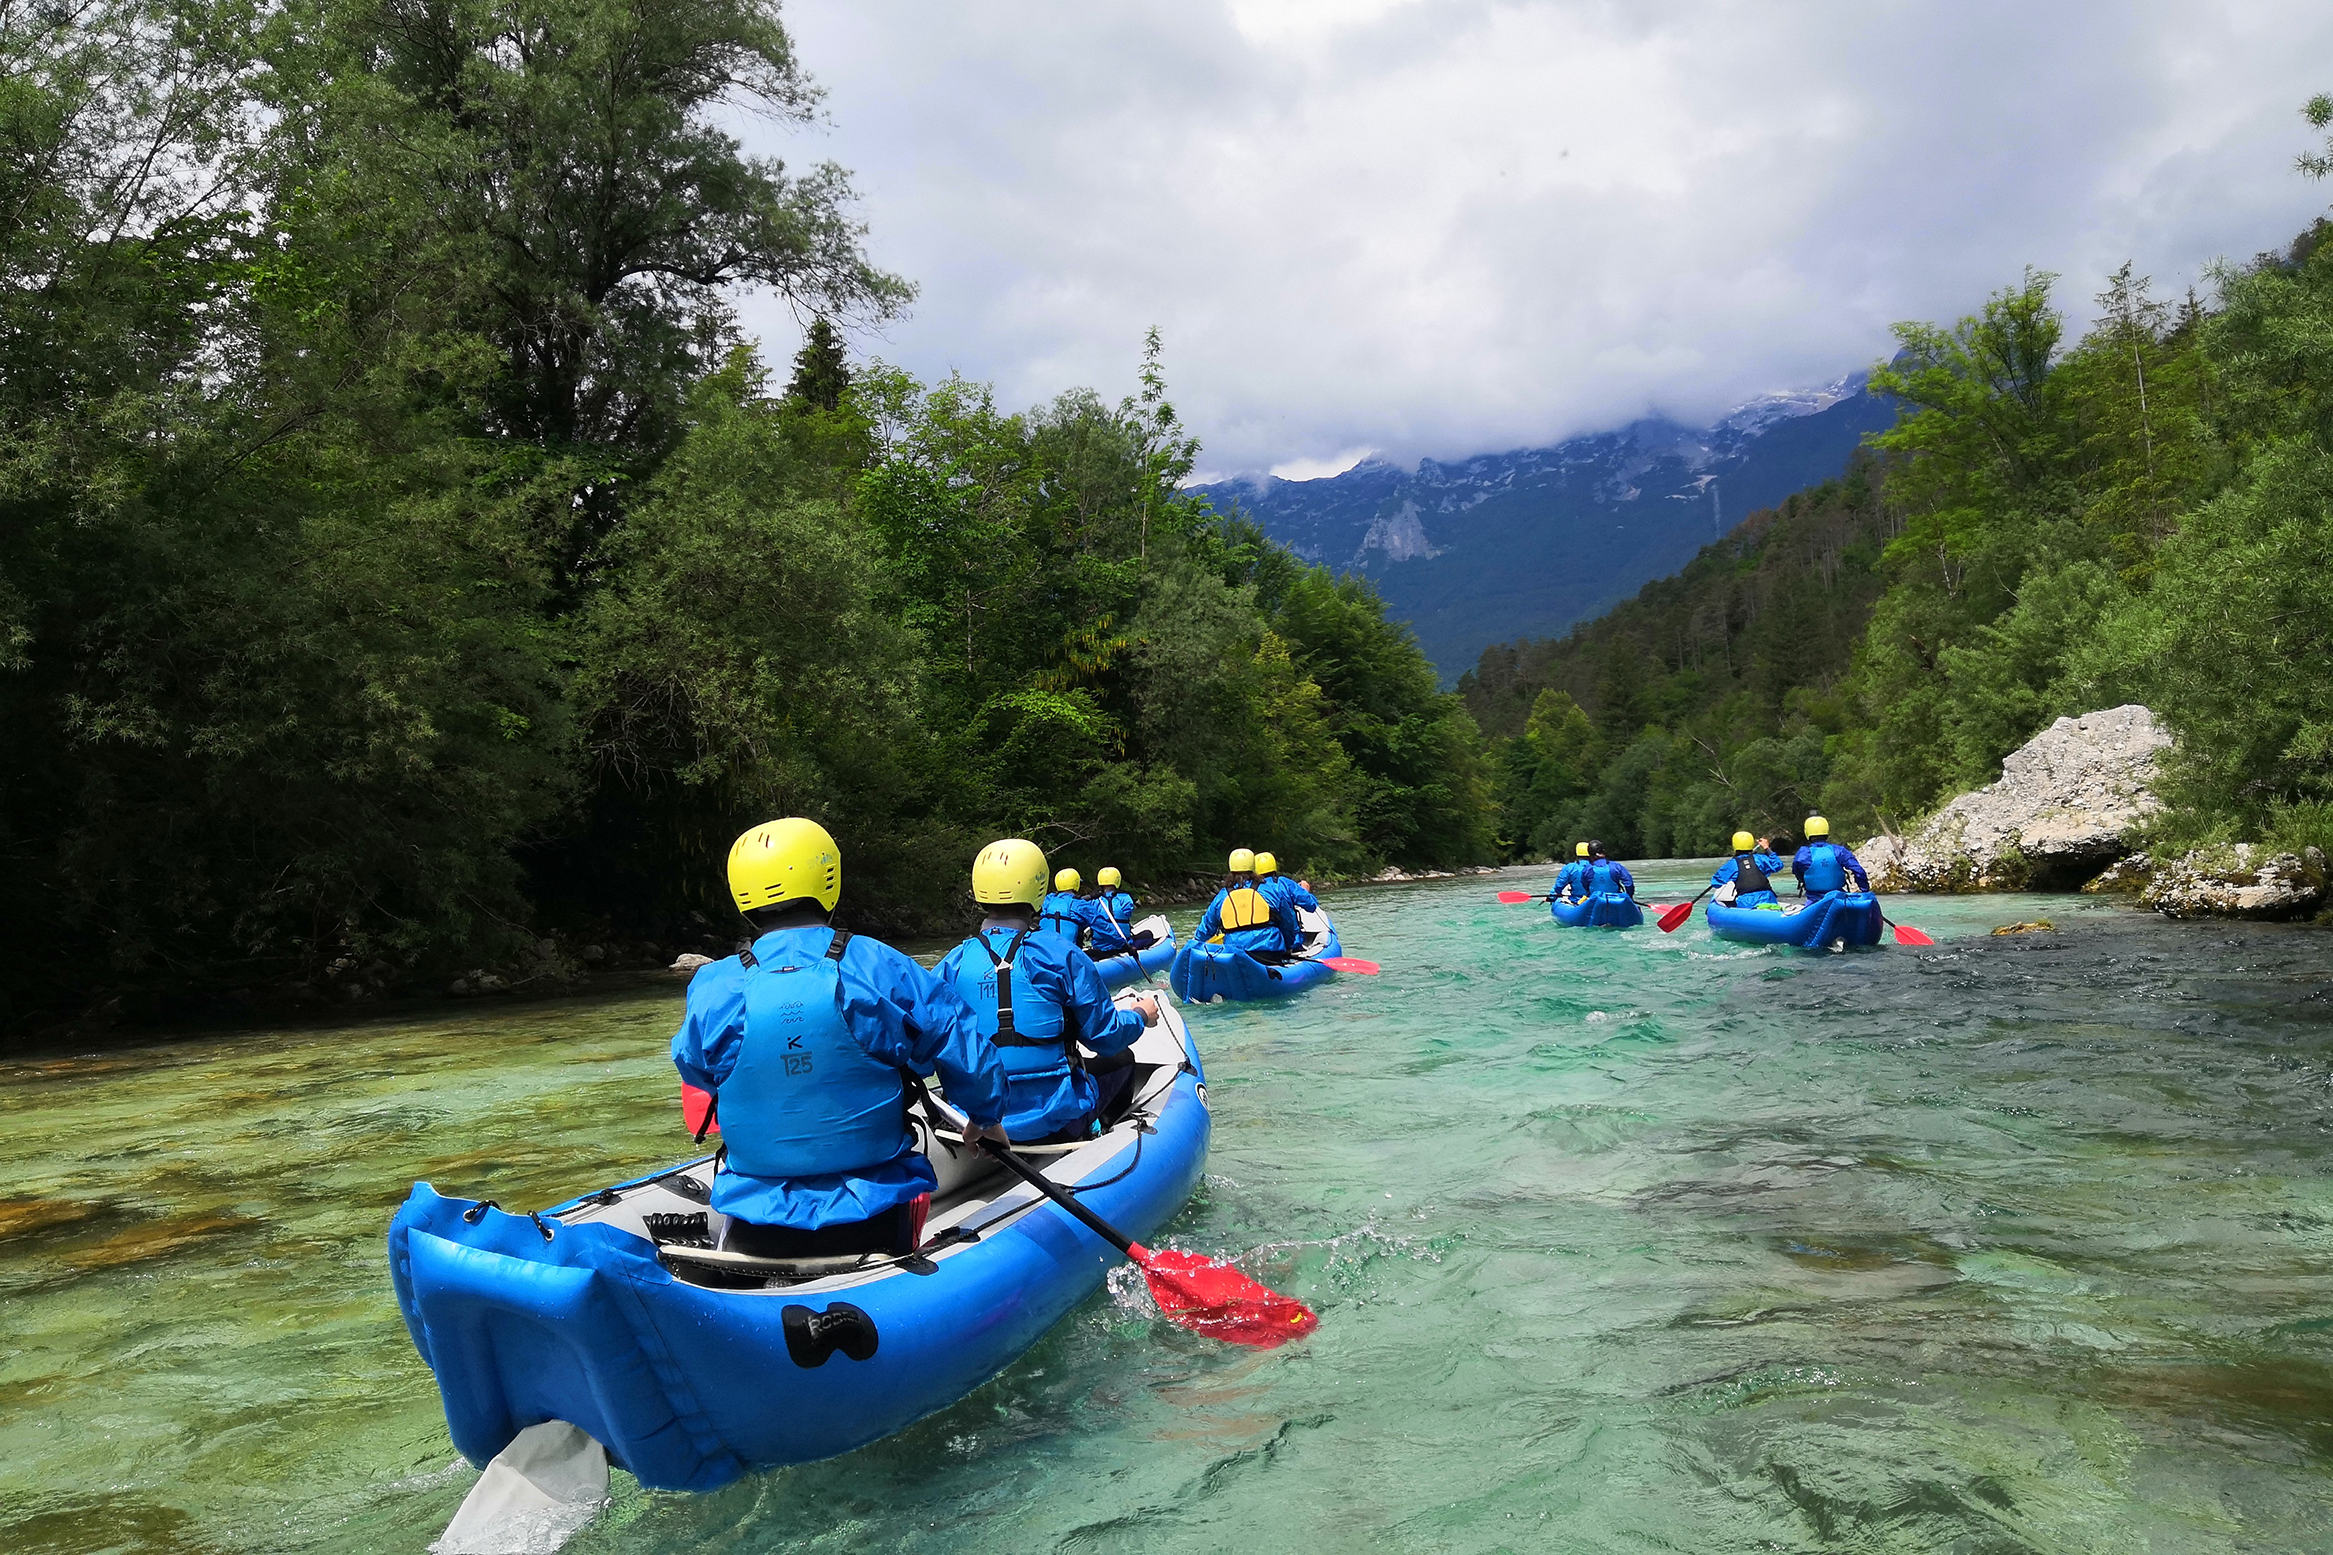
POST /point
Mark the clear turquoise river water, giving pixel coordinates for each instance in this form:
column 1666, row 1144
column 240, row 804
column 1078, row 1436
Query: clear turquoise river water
column 1621, row 1242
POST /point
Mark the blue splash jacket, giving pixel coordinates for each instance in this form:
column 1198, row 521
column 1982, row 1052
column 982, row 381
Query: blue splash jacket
column 1046, row 1093
column 898, row 1013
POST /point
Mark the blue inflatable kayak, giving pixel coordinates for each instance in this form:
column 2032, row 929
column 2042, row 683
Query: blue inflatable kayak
column 1204, row 974
column 1604, row 910
column 618, row 1312
column 1126, row 966
column 1829, row 922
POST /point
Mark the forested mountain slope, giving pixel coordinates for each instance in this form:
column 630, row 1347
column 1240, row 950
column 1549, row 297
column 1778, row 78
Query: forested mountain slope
column 1534, row 540
column 1740, row 656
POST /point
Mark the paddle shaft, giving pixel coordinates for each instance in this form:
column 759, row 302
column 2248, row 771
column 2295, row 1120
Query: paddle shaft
column 1061, row 1196
column 1670, row 925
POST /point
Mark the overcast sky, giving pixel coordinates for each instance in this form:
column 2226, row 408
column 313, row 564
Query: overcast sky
column 1441, row 227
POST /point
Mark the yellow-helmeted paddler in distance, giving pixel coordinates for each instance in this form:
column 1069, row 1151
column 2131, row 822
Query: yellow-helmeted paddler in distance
column 1244, row 917
column 1745, row 879
column 1571, row 881
column 1110, row 918
column 1823, row 866
column 1064, row 912
column 1291, row 896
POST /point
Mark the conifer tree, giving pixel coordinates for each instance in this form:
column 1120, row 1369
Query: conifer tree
column 821, row 371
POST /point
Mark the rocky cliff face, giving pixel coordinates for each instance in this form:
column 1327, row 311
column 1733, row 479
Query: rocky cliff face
column 2069, row 803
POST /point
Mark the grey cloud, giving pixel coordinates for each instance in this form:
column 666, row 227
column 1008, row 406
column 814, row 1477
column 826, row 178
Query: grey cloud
column 1442, row 226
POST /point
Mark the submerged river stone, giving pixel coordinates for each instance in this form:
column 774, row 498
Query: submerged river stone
column 2069, row 803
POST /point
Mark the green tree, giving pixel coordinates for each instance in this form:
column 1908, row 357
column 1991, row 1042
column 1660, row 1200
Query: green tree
column 735, row 665
column 822, row 372
column 549, row 187
column 2226, row 641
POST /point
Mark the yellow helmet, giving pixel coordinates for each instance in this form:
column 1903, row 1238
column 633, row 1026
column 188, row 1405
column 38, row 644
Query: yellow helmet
column 1583, row 850
column 785, row 861
column 1744, row 842
column 1067, row 880
column 1011, row 869
column 1108, row 875
column 1242, row 862
column 1266, row 864
column 1816, row 826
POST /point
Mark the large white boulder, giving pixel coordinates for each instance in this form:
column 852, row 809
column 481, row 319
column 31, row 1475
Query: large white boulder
column 2069, row 802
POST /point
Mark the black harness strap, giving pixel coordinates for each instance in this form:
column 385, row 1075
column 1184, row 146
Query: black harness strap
column 1006, row 1034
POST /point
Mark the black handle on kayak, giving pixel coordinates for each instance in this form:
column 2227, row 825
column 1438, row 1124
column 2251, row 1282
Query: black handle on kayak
column 1061, row 1196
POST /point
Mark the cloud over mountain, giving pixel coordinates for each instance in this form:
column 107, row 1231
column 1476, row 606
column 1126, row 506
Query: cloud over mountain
column 1439, row 226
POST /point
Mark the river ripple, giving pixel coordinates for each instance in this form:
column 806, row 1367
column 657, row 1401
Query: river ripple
column 1620, row 1241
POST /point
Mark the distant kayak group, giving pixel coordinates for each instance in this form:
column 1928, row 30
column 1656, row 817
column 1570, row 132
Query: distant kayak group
column 918, row 1172
column 1835, row 911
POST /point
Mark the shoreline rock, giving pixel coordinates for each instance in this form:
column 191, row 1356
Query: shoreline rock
column 2239, row 880
column 2069, row 802
column 1398, row 876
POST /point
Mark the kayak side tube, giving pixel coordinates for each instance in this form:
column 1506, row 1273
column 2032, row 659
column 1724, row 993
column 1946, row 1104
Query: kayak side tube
column 524, row 1319
column 1609, row 910
column 1204, row 974
column 1126, row 966
column 1841, row 919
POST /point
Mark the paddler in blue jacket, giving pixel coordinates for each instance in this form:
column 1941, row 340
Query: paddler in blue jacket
column 1110, row 918
column 1822, row 866
column 1291, row 893
column 1571, row 881
column 1063, row 911
column 1036, row 996
column 804, row 1040
column 1244, row 918
column 1745, row 879
column 1603, row 877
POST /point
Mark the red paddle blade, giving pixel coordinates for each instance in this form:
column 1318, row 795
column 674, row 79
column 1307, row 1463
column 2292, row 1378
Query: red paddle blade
column 1350, row 964
column 1512, row 897
column 1218, row 1301
column 693, row 1103
column 1908, row 936
column 1672, row 916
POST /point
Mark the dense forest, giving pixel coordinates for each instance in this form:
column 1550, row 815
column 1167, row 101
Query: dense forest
column 403, row 554
column 2141, row 514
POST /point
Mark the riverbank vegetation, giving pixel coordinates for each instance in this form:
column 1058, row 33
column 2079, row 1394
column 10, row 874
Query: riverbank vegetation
column 2144, row 513
column 402, row 551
